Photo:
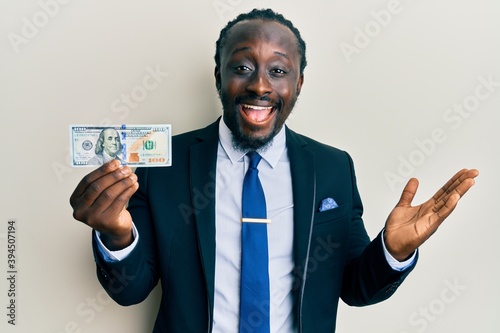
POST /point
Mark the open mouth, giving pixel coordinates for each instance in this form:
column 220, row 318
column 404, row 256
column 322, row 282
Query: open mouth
column 257, row 114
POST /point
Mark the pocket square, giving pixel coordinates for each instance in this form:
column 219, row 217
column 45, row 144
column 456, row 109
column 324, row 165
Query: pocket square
column 327, row 204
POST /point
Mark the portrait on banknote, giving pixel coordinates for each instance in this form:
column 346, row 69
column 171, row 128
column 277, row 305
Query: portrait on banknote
column 107, row 147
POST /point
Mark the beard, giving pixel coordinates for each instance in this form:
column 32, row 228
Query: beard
column 242, row 141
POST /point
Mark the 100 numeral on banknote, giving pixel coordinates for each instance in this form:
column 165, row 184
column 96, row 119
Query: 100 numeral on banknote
column 133, row 145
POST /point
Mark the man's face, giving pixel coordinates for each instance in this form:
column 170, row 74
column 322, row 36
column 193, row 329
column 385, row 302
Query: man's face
column 111, row 142
column 259, row 80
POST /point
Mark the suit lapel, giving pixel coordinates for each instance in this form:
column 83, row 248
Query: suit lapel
column 303, row 183
column 203, row 162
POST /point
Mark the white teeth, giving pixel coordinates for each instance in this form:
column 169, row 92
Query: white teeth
column 255, row 107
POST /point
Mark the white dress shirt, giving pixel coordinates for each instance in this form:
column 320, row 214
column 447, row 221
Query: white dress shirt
column 276, row 179
column 275, row 176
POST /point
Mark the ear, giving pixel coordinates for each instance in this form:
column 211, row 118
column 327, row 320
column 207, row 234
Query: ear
column 299, row 84
column 217, row 78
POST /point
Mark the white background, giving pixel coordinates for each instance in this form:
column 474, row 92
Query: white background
column 376, row 103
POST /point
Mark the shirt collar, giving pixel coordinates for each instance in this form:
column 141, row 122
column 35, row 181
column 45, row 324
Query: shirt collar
column 271, row 155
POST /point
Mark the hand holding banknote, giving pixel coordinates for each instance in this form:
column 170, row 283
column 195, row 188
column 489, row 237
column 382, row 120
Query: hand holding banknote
column 99, row 201
column 100, row 198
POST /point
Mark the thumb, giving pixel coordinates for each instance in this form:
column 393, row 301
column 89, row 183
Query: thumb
column 408, row 193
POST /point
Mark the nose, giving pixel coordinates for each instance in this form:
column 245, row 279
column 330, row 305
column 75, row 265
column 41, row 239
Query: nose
column 259, row 83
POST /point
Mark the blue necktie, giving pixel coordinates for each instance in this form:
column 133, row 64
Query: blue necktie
column 254, row 290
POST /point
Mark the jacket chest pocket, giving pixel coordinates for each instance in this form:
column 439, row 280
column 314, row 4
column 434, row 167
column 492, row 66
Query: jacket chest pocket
column 332, row 215
column 331, row 231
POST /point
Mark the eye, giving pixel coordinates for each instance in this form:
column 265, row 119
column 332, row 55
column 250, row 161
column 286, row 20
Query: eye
column 278, row 71
column 242, row 69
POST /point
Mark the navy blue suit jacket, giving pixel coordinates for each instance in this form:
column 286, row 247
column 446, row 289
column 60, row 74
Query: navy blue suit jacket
column 174, row 211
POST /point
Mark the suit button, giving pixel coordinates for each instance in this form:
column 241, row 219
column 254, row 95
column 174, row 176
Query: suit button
column 104, row 274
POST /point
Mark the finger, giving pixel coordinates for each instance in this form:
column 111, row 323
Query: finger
column 446, row 189
column 98, row 216
column 121, row 200
column 113, row 220
column 114, row 192
column 460, row 190
column 465, row 182
column 408, row 194
column 91, row 178
column 446, row 209
column 100, row 194
column 460, row 186
column 460, row 183
column 449, row 202
column 97, row 187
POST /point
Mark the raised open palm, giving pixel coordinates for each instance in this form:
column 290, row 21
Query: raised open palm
column 407, row 226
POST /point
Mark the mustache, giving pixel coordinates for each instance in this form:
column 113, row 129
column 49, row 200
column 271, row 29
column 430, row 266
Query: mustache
column 248, row 98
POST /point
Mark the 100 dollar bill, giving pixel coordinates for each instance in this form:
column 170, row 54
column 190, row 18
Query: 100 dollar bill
column 133, row 145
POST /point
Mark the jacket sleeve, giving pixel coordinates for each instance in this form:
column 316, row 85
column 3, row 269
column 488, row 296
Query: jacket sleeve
column 129, row 281
column 368, row 278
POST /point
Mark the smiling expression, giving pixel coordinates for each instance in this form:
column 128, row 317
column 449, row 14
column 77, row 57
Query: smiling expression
column 259, row 80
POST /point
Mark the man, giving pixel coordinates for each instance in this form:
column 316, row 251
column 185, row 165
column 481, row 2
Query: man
column 107, row 147
column 184, row 225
